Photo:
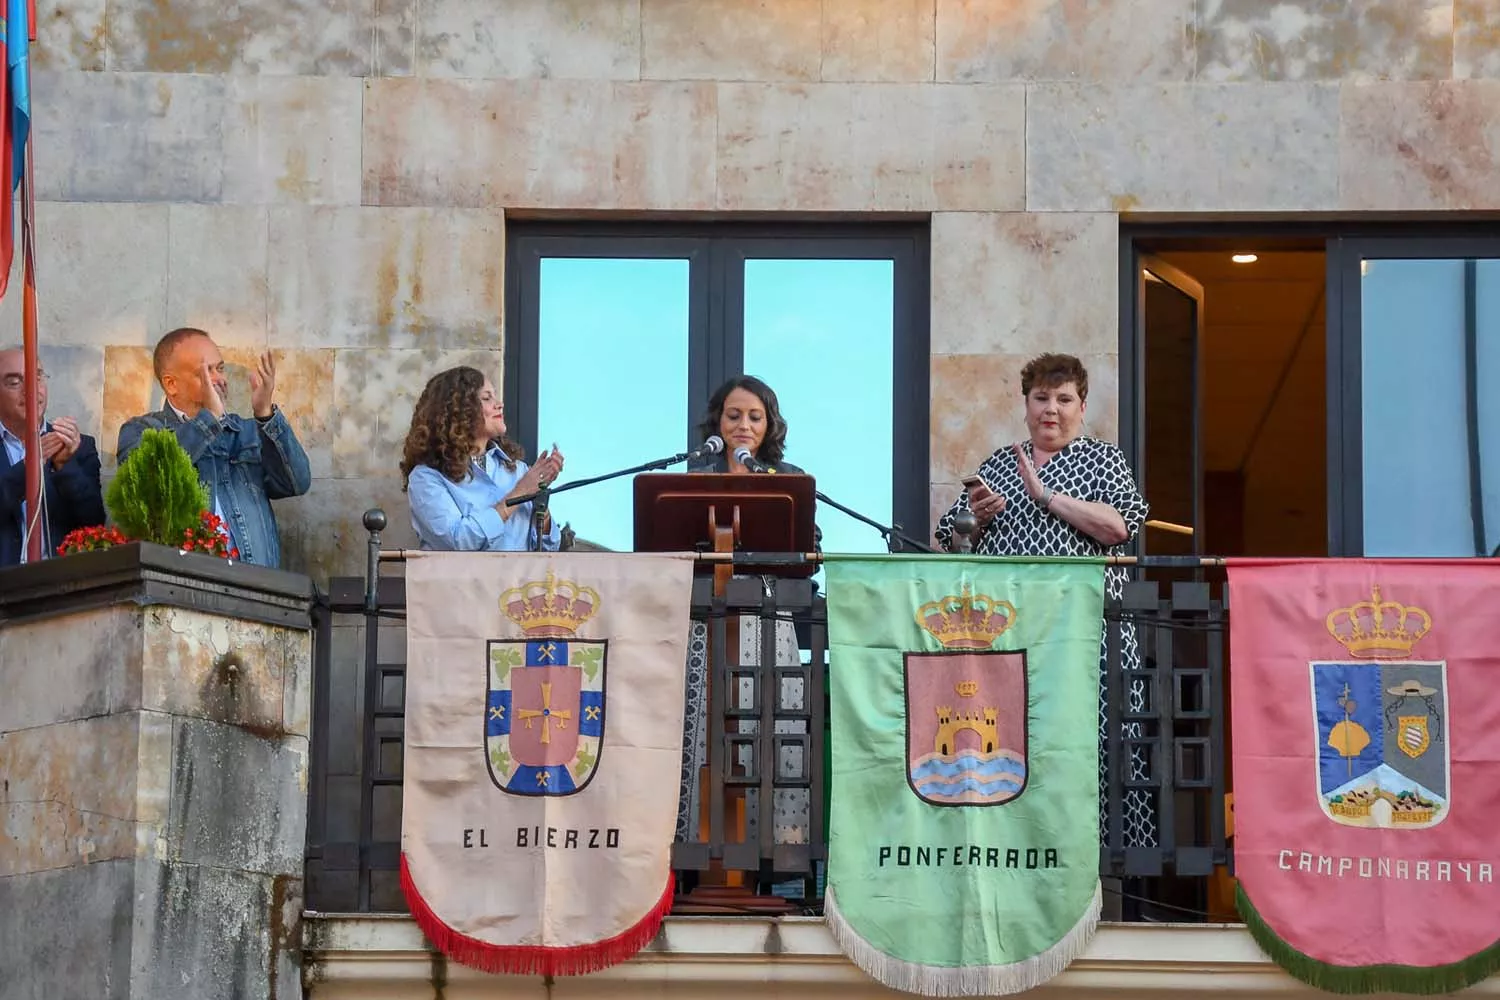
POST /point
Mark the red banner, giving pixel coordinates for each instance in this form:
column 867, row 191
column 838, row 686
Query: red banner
column 1366, row 747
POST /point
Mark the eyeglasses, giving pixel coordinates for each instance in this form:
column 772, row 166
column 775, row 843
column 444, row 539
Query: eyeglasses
column 14, row 382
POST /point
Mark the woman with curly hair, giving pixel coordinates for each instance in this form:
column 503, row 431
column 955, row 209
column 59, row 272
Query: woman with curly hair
column 459, row 467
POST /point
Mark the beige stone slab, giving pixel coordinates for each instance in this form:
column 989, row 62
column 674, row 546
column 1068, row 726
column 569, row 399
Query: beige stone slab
column 1017, row 283
column 555, row 144
column 71, row 34
column 323, row 534
column 1182, row 147
column 979, row 41
column 57, row 808
column 129, row 391
column 882, row 41
column 129, row 136
column 1325, row 40
column 1416, row 146
column 92, row 667
column 940, row 497
column 730, row 39
column 1476, row 39
column 227, row 670
column 104, row 271
column 304, row 387
column 217, row 259
column 977, row 407
column 870, row 147
column 394, row 38
column 313, row 37
column 387, row 277
column 75, row 377
column 101, row 275
column 374, row 392
column 292, row 139
column 584, row 39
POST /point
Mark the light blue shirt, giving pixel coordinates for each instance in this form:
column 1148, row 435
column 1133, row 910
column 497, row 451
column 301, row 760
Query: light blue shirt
column 461, row 517
column 15, row 450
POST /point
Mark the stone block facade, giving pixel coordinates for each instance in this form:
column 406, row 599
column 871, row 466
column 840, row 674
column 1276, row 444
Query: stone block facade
column 154, row 806
column 332, row 179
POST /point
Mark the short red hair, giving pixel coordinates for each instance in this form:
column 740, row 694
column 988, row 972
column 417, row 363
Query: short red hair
column 1052, row 370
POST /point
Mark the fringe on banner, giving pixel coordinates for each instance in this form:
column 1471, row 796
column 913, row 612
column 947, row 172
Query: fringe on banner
column 528, row 960
column 1417, row 979
column 964, row 980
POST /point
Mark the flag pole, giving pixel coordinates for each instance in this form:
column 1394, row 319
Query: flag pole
column 35, row 517
column 19, row 38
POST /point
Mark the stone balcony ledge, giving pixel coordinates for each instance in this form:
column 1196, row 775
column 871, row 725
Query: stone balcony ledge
column 378, row 956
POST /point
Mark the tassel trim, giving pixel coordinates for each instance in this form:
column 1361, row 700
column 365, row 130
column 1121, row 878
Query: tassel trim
column 966, row 980
column 1419, row 979
column 531, row 960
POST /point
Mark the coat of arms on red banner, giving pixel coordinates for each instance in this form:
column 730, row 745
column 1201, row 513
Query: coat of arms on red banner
column 1382, row 746
column 966, row 706
column 544, row 715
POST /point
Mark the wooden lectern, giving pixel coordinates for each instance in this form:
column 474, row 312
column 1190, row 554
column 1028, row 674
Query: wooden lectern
column 727, row 513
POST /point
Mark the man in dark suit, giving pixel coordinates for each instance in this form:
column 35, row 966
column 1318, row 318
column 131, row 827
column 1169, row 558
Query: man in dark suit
column 70, row 469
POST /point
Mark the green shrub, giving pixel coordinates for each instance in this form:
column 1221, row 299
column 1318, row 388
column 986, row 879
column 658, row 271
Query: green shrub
column 156, row 494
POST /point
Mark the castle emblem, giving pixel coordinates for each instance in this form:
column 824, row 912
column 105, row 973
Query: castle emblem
column 1380, row 720
column 544, row 714
column 966, row 705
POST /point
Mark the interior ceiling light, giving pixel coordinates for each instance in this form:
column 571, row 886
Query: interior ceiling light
column 1244, row 258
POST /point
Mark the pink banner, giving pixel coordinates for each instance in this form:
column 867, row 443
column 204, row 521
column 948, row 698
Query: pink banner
column 1366, row 746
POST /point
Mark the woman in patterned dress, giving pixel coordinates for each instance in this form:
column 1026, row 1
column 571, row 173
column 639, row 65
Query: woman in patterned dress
column 1062, row 493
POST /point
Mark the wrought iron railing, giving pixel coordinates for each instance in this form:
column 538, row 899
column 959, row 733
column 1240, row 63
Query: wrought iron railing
column 765, row 737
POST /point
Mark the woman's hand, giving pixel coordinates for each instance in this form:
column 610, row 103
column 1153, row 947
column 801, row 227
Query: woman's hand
column 985, row 503
column 1029, row 475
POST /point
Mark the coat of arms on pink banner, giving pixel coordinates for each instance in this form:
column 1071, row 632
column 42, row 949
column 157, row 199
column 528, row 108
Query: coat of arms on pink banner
column 1366, row 743
column 966, row 706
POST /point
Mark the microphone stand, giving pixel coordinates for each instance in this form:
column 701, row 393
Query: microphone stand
column 895, row 538
column 544, row 495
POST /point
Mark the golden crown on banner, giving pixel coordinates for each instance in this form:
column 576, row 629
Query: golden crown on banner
column 550, row 607
column 966, row 620
column 1377, row 629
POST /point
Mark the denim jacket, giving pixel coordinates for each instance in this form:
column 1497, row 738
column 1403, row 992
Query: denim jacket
column 244, row 462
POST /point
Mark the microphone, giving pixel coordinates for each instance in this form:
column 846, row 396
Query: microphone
column 713, row 446
column 742, row 455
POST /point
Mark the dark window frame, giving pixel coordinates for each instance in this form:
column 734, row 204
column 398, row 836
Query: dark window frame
column 716, row 253
column 1344, row 245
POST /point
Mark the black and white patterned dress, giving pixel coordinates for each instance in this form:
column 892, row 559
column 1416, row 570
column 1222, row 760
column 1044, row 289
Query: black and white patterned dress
column 1093, row 470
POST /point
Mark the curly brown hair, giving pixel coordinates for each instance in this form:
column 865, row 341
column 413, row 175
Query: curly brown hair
column 1052, row 370
column 443, row 423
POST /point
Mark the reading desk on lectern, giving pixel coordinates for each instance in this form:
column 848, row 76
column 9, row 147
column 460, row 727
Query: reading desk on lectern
column 728, row 512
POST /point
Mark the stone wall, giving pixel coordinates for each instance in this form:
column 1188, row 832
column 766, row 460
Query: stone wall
column 153, row 812
column 330, row 177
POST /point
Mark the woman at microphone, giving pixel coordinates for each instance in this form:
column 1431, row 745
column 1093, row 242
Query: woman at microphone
column 459, row 467
column 745, row 414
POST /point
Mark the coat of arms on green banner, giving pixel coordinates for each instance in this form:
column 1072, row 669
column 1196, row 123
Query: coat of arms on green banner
column 964, row 846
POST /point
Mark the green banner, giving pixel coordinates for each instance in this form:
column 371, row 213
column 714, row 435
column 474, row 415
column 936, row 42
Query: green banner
column 964, row 826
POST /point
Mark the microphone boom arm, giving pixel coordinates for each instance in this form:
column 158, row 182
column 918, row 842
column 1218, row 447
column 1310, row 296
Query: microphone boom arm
column 893, row 534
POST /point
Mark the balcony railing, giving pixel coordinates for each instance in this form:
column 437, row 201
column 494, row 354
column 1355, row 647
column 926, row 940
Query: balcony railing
column 765, row 736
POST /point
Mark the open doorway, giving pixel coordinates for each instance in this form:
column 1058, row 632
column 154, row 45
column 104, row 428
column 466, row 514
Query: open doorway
column 1233, row 408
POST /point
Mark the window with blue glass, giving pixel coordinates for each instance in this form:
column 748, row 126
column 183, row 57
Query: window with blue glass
column 1425, row 373
column 617, row 336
